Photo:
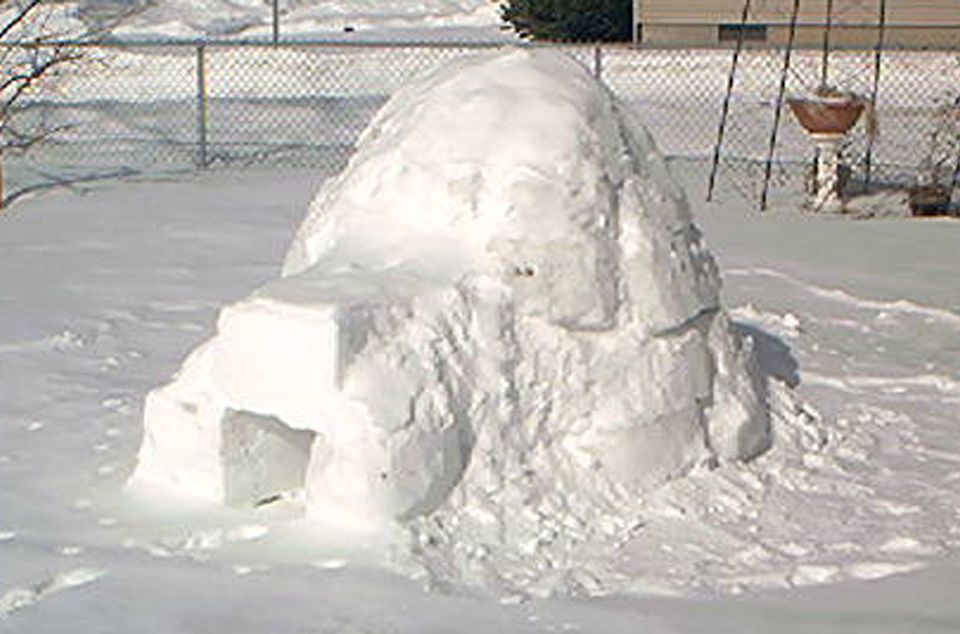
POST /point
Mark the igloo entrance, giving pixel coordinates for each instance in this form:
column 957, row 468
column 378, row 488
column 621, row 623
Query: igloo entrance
column 263, row 459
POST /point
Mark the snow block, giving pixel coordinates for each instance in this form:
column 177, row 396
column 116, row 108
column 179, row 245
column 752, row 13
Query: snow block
column 277, row 358
column 181, row 441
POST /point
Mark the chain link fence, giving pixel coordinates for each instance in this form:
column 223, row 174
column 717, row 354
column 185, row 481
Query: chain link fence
column 155, row 109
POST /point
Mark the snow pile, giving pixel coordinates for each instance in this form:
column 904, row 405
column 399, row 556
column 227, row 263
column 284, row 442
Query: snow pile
column 253, row 18
column 498, row 328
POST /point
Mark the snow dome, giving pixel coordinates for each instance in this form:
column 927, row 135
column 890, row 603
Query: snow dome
column 502, row 301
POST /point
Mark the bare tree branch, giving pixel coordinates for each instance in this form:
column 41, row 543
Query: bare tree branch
column 18, row 85
column 20, row 17
column 36, row 49
column 23, row 141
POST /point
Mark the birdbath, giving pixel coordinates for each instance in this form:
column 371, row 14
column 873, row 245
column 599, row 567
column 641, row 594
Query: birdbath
column 827, row 116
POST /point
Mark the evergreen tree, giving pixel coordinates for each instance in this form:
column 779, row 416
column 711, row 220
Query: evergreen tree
column 570, row 20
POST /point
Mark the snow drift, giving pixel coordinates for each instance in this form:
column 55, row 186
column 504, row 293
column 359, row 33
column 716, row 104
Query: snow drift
column 501, row 306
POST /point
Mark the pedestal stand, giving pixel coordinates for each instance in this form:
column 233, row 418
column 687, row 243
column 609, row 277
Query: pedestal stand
column 826, row 192
column 827, row 119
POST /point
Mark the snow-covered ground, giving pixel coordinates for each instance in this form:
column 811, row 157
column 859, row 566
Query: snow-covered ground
column 849, row 524
column 305, row 19
column 104, row 292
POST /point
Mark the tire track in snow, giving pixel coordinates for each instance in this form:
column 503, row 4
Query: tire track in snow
column 18, row 598
column 901, row 306
column 935, row 382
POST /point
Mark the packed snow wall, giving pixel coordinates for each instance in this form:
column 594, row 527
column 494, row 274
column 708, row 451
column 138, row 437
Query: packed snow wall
column 502, row 298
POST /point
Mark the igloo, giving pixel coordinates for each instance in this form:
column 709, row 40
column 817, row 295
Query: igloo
column 504, row 285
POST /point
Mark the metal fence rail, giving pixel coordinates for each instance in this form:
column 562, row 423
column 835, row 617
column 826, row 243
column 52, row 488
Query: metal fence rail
column 159, row 108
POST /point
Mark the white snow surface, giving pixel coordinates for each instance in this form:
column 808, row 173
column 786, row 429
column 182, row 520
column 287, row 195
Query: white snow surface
column 498, row 327
column 849, row 524
column 310, row 18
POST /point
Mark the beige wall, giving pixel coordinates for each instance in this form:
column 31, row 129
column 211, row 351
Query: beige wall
column 919, row 24
column 900, row 12
column 808, row 37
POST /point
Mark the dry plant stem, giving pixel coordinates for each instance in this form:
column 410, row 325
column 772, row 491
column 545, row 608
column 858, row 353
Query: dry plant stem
column 33, row 54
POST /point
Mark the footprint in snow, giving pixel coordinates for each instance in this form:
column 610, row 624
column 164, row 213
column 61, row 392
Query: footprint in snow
column 198, row 544
column 908, row 546
column 6, row 536
column 845, row 548
column 118, row 404
column 329, row 564
column 896, row 509
column 152, row 549
column 873, row 570
column 21, row 597
column 242, row 570
column 211, row 539
column 109, row 364
column 812, row 575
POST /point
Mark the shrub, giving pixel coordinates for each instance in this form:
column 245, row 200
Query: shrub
column 570, row 20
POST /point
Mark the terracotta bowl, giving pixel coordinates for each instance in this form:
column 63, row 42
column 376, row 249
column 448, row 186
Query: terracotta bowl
column 826, row 115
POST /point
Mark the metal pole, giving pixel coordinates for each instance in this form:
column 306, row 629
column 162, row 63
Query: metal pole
column 201, row 107
column 731, row 78
column 825, row 59
column 955, row 183
column 768, row 170
column 635, row 17
column 877, row 58
column 276, row 21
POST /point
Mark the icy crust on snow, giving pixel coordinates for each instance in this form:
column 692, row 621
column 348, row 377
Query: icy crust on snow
column 498, row 328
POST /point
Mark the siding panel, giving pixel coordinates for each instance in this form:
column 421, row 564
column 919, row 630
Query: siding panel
column 921, row 13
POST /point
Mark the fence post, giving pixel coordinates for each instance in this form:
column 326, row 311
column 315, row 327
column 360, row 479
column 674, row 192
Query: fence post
column 201, row 107
column 598, row 62
column 771, row 150
column 874, row 92
column 276, row 21
column 955, row 182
